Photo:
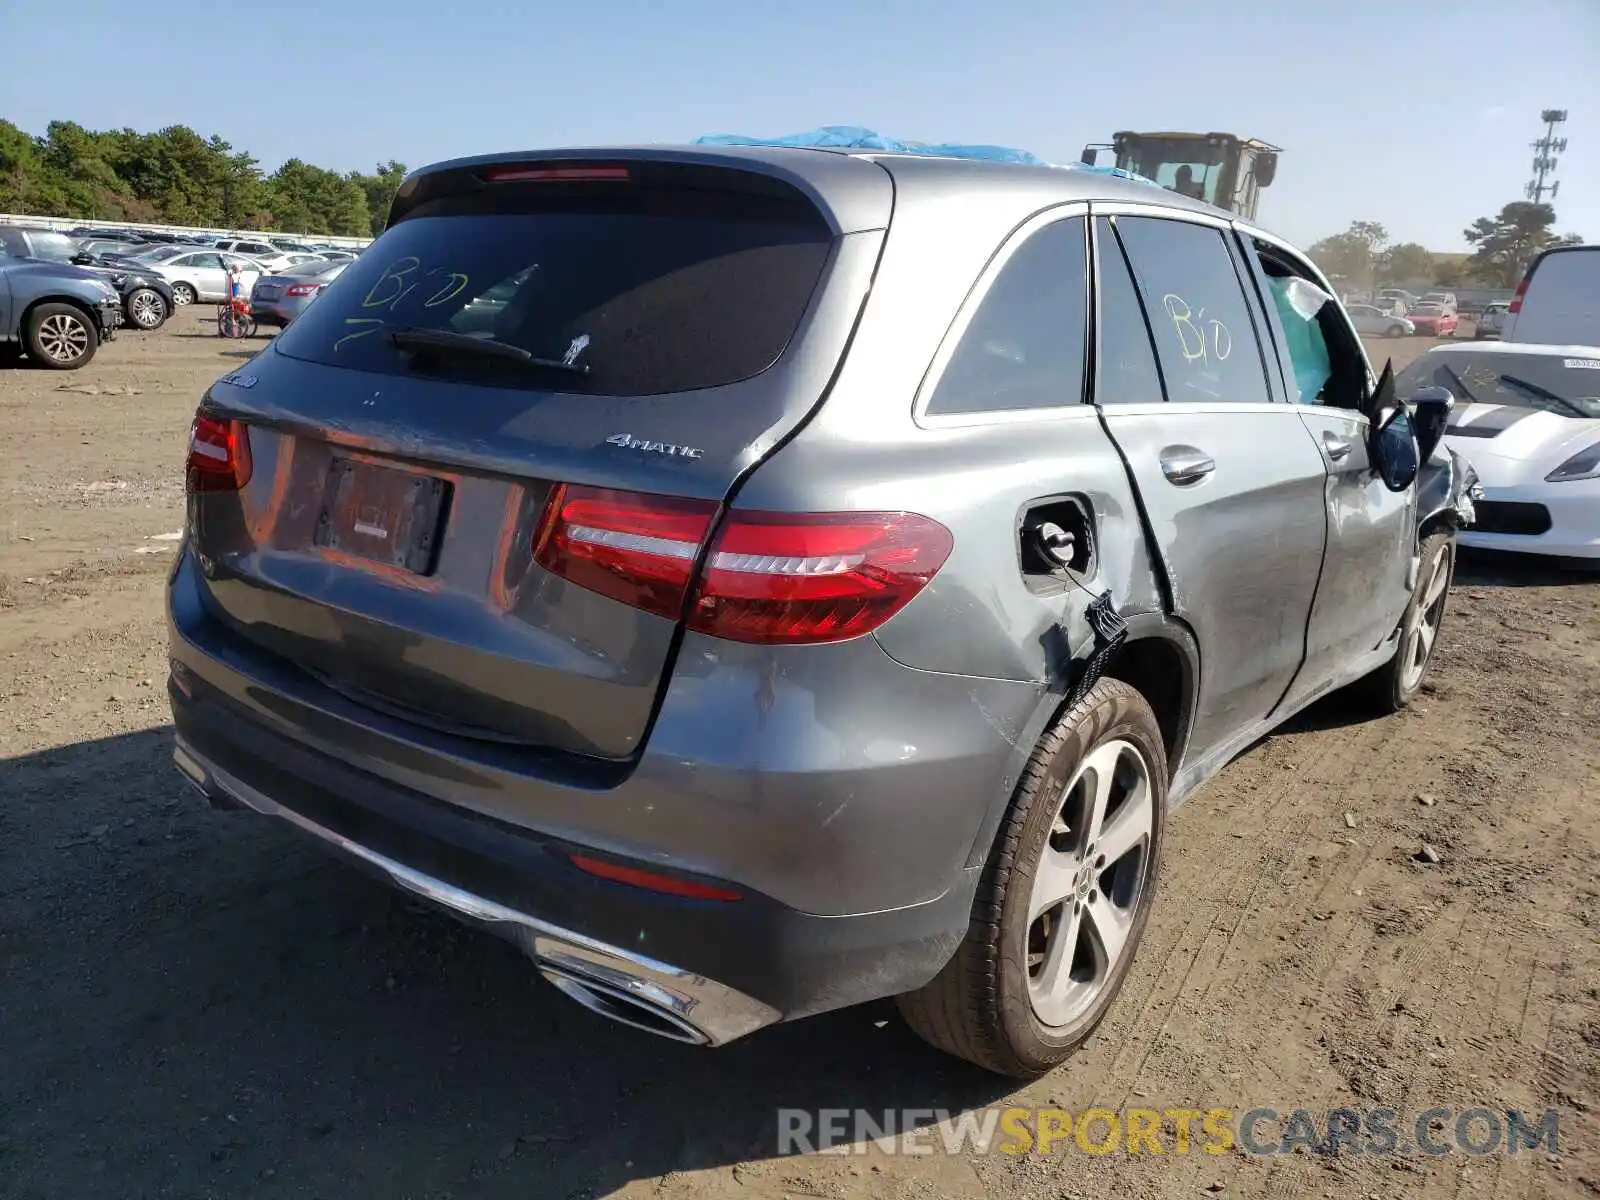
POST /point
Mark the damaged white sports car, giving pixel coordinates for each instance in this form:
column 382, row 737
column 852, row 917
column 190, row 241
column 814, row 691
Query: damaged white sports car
column 1527, row 417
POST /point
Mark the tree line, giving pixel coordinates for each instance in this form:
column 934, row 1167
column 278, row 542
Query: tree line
column 176, row 177
column 1503, row 246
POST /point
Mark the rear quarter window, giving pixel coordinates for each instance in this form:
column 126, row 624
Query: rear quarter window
column 654, row 292
column 1024, row 346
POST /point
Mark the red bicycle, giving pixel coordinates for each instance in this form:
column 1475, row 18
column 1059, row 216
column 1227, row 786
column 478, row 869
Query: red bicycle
column 235, row 320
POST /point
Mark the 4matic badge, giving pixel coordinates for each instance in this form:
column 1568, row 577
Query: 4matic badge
column 628, row 442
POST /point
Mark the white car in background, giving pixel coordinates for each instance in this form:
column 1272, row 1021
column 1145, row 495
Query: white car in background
column 202, row 274
column 1527, row 417
column 1558, row 299
column 1492, row 321
column 1369, row 318
column 248, row 248
column 286, row 260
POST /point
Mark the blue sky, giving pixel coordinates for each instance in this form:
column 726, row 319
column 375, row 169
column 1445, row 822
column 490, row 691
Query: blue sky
column 1414, row 115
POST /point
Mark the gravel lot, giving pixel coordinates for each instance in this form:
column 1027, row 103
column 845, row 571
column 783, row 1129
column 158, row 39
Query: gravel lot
column 195, row 1004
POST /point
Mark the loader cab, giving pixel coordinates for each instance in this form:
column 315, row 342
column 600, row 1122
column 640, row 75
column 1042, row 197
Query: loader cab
column 1218, row 168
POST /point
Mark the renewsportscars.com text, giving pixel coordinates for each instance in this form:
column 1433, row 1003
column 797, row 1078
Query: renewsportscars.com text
column 1337, row 1132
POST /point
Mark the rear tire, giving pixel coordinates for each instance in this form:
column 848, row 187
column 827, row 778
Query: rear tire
column 1395, row 331
column 1036, row 975
column 60, row 337
column 1395, row 684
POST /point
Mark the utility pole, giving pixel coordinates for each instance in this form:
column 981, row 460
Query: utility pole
column 1544, row 156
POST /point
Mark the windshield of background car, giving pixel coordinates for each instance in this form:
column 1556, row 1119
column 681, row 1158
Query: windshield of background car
column 655, row 291
column 53, row 247
column 1564, row 385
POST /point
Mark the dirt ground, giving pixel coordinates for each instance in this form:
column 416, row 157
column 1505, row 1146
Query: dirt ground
column 195, row 1004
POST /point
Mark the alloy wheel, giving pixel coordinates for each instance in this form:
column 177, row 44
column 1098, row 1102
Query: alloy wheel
column 1425, row 621
column 1086, row 889
column 146, row 309
column 63, row 337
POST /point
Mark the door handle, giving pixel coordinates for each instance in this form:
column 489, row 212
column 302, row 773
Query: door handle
column 1184, row 465
column 1338, row 448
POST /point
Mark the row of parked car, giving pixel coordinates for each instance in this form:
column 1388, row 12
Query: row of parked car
column 1394, row 312
column 53, row 286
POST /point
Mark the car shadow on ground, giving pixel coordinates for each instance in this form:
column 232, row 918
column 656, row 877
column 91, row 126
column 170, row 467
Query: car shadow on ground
column 201, row 1002
column 1474, row 568
column 1488, row 568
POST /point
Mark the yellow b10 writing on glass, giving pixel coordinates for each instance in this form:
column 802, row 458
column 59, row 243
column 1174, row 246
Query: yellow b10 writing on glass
column 400, row 279
column 1191, row 327
column 1102, row 1131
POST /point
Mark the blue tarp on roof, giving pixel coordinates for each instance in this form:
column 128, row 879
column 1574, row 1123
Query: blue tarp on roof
column 854, row 137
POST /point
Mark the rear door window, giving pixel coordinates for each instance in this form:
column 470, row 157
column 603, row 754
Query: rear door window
column 1204, row 333
column 1024, row 347
column 653, row 291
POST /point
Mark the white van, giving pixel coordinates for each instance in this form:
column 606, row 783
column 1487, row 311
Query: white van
column 1558, row 300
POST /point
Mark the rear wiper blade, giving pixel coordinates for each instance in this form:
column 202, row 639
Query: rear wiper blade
column 1543, row 393
column 411, row 338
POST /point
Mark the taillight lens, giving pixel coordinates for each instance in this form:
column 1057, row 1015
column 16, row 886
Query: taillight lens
column 219, row 455
column 791, row 578
column 636, row 548
column 304, row 289
column 1516, row 298
column 769, row 578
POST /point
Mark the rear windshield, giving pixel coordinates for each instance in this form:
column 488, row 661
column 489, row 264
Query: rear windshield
column 1563, row 384
column 657, row 291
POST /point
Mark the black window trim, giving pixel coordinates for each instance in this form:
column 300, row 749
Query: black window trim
column 1014, row 241
column 1095, row 311
column 1283, row 376
column 1301, row 263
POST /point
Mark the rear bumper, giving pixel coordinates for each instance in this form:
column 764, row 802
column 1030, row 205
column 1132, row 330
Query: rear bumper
column 623, row 984
column 279, row 310
column 857, row 883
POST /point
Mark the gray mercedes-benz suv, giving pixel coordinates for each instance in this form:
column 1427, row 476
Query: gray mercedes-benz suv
column 760, row 581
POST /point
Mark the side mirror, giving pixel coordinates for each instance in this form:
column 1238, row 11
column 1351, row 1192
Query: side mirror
column 1394, row 450
column 1089, row 157
column 1430, row 415
column 1266, row 169
column 83, row 259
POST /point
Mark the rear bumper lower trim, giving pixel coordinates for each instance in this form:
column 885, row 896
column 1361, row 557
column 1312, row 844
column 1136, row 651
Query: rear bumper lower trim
column 696, row 1005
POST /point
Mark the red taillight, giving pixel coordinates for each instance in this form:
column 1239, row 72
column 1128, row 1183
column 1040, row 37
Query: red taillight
column 304, row 289
column 1522, row 288
column 769, row 578
column 219, row 455
column 635, row 548
column 671, row 885
column 793, row 578
column 547, row 174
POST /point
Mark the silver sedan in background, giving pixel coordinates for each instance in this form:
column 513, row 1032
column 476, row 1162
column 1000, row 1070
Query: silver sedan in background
column 1368, row 318
column 279, row 298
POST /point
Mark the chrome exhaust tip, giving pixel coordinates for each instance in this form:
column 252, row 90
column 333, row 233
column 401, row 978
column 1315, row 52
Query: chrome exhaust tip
column 628, row 1008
